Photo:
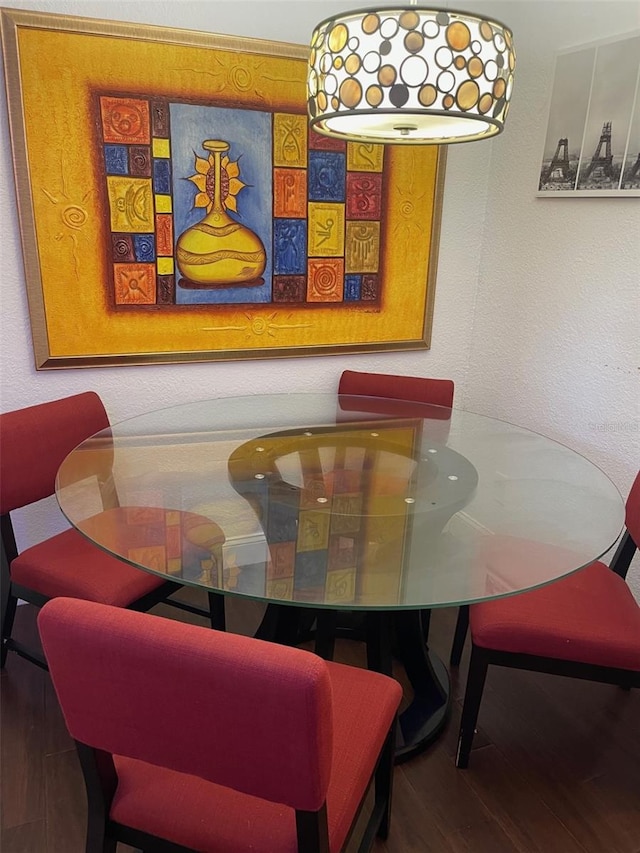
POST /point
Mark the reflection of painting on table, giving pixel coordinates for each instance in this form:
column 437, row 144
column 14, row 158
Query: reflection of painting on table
column 175, row 205
column 334, row 507
column 592, row 146
column 267, row 212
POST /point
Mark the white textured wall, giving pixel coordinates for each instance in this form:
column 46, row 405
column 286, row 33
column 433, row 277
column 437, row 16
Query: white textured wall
column 537, row 302
column 556, row 328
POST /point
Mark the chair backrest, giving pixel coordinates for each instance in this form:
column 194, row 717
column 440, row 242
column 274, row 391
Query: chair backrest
column 387, row 394
column 438, row 392
column 35, row 440
column 632, row 514
column 630, row 540
column 239, row 712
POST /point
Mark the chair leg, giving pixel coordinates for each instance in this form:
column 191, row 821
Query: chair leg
column 384, row 781
column 460, row 635
column 100, row 782
column 313, row 831
column 473, row 695
column 8, row 615
column 216, row 611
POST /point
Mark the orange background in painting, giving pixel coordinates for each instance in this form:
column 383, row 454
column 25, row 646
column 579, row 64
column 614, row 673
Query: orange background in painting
column 59, row 72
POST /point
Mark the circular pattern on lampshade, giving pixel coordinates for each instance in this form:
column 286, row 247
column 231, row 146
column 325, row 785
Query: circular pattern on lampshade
column 389, row 27
column 387, row 75
column 475, row 67
column 409, row 19
column 458, row 36
column 350, row 92
column 484, row 104
column 430, row 29
column 413, row 75
column 399, row 95
column 413, row 42
column 499, row 87
column 370, row 24
column 374, row 96
column 352, row 63
column 414, row 71
column 468, row 95
column 338, row 38
column 427, row 95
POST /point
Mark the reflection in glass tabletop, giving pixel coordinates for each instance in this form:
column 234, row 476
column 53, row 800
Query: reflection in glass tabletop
column 339, row 502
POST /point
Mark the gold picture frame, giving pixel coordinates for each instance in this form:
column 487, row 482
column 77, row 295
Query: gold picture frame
column 128, row 139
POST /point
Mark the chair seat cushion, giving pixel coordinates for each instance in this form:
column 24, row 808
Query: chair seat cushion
column 203, row 816
column 589, row 617
column 69, row 565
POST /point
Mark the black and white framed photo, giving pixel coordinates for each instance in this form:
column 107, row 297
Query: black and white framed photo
column 592, row 143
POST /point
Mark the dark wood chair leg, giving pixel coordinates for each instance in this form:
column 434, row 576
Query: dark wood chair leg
column 384, row 781
column 313, row 831
column 100, row 782
column 460, row 635
column 8, row 615
column 8, row 601
column 478, row 666
column 216, row 611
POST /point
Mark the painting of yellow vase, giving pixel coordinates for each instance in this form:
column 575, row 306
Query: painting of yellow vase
column 219, row 251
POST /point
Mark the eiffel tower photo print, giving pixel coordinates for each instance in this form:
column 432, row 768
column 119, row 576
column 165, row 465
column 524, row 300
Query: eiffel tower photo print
column 592, row 144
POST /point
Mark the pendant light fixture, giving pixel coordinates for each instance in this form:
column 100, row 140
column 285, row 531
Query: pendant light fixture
column 410, row 76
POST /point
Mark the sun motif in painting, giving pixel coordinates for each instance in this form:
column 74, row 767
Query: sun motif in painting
column 206, row 177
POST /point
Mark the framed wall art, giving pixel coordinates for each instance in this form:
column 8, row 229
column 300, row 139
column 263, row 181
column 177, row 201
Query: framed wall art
column 174, row 205
column 592, row 144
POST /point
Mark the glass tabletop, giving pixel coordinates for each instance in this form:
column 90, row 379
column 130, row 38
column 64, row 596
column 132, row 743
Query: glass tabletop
column 340, row 502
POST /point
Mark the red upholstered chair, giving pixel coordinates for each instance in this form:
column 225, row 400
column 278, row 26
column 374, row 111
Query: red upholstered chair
column 213, row 741
column 33, row 443
column 586, row 625
column 438, row 392
column 388, row 395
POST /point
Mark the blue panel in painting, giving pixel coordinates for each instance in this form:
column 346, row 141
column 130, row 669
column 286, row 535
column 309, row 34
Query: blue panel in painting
column 161, row 176
column 249, row 135
column 116, row 159
column 326, row 176
column 311, row 569
column 290, row 246
column 352, row 286
column 144, row 247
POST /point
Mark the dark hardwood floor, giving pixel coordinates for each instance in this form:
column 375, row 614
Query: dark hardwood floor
column 555, row 766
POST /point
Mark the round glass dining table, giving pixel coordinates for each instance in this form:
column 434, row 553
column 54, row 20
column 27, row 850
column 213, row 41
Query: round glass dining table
column 343, row 514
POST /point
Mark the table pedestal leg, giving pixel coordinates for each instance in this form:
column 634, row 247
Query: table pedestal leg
column 282, row 624
column 423, row 720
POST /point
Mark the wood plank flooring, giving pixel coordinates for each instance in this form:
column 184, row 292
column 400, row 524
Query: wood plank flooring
column 555, row 766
